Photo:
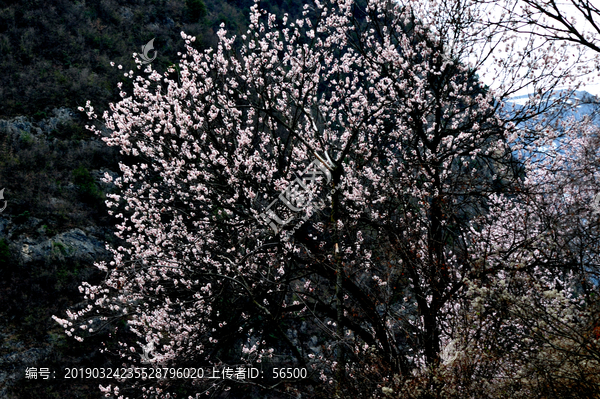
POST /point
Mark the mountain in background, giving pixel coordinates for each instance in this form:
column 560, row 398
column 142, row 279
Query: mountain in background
column 54, row 56
column 57, row 53
column 580, row 103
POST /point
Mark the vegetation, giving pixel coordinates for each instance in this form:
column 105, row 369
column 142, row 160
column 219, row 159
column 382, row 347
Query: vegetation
column 57, row 53
column 437, row 267
column 433, row 252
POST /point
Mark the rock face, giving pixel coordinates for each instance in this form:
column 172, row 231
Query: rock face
column 53, row 230
column 18, row 358
column 31, row 245
column 75, row 244
column 22, row 124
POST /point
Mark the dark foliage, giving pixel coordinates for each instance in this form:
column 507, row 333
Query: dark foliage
column 57, row 53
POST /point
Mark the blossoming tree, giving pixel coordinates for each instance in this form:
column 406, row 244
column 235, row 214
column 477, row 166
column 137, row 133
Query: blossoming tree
column 313, row 199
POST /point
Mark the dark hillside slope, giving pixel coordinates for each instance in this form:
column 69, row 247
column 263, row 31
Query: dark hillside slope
column 54, row 56
column 56, row 53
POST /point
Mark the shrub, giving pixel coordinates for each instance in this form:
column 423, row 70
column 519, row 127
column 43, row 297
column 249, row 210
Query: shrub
column 39, row 115
column 71, row 130
column 4, row 253
column 22, row 217
column 88, row 189
column 196, row 9
column 26, row 138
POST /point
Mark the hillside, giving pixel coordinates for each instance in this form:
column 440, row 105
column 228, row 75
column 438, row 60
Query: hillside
column 57, row 53
column 54, row 56
column 440, row 263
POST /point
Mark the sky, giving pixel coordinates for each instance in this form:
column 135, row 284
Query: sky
column 566, row 7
